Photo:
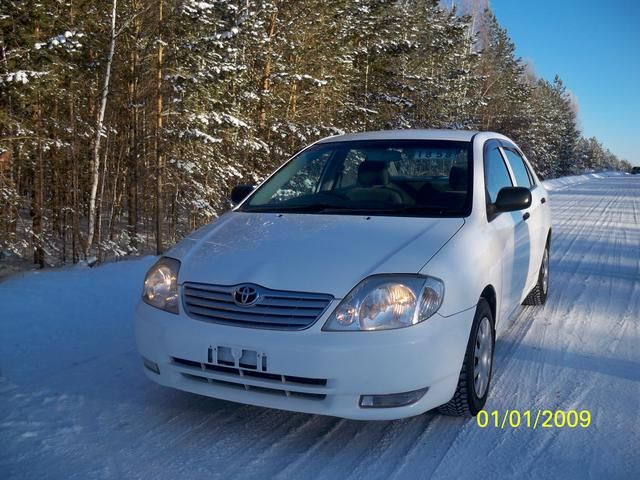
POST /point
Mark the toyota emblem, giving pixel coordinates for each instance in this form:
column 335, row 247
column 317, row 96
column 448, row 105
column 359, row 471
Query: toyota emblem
column 245, row 296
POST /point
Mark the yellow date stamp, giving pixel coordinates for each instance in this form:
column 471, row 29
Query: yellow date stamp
column 533, row 419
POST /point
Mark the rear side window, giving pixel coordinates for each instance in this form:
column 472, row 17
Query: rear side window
column 520, row 170
column 496, row 175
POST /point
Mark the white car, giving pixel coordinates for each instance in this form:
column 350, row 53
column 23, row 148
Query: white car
column 364, row 279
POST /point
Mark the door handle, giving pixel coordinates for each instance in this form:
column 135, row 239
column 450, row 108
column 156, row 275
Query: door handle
column 544, row 200
column 526, row 216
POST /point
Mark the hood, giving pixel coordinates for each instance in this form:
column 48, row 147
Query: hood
column 307, row 252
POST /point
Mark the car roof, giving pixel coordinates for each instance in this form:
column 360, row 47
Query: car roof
column 408, row 134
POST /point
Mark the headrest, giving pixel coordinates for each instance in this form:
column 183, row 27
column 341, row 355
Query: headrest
column 458, row 178
column 372, row 173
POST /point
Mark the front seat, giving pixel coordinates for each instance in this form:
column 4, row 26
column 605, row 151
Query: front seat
column 458, row 178
column 373, row 178
column 454, row 197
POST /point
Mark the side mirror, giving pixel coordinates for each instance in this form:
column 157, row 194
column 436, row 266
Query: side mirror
column 240, row 192
column 511, row 199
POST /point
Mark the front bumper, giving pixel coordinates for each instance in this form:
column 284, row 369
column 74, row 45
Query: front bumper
column 307, row 371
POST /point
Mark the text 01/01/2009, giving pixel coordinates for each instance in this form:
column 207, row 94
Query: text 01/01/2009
column 534, row 419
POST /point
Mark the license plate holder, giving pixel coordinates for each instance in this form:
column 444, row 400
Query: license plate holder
column 237, row 357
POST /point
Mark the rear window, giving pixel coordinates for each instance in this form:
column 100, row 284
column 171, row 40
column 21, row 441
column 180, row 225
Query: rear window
column 431, row 162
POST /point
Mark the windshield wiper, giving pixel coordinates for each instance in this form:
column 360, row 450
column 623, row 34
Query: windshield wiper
column 310, row 207
column 329, row 207
column 416, row 210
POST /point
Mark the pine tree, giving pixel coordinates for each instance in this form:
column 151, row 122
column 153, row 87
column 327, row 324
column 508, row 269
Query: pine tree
column 203, row 95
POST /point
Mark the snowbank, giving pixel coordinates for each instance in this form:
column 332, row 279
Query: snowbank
column 563, row 182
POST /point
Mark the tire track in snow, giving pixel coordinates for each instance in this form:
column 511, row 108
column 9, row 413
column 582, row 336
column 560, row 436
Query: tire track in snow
column 313, row 458
column 276, row 454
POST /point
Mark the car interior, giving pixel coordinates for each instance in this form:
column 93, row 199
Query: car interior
column 373, row 178
column 377, row 184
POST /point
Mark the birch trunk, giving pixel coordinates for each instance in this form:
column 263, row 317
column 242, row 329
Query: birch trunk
column 265, row 82
column 95, row 163
column 158, row 149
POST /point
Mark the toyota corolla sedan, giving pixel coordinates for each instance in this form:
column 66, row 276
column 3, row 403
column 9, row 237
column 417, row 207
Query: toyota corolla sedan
column 366, row 278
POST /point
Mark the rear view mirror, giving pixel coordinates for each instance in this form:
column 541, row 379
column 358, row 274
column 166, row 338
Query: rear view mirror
column 511, row 199
column 240, row 192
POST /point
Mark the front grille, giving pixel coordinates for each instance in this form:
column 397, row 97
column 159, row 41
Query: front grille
column 273, row 309
column 251, row 380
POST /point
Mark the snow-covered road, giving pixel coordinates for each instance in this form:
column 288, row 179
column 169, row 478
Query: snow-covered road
column 74, row 402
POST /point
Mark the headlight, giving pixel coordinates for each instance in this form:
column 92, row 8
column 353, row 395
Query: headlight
column 384, row 302
column 161, row 285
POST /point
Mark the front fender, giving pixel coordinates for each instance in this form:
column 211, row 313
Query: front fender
column 468, row 263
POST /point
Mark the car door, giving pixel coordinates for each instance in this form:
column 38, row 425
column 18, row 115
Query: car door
column 509, row 229
column 533, row 216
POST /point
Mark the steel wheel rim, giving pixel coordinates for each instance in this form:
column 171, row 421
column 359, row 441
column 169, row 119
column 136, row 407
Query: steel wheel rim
column 482, row 357
column 545, row 271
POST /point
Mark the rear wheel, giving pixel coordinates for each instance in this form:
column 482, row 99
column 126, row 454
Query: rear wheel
column 538, row 296
column 475, row 376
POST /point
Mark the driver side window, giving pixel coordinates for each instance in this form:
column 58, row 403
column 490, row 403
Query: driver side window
column 496, row 175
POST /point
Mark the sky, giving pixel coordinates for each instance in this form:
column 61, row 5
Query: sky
column 595, row 48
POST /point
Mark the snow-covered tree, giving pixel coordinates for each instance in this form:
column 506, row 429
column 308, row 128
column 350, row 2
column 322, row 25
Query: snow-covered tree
column 206, row 94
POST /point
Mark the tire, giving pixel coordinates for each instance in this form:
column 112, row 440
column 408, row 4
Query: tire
column 538, row 296
column 471, row 394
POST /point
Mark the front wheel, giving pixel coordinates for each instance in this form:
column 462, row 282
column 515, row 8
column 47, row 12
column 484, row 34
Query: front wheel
column 475, row 376
column 538, row 296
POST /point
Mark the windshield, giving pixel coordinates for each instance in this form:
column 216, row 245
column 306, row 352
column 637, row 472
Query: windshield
column 376, row 177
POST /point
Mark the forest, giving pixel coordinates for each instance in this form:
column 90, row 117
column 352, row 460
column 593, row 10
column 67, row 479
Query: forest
column 124, row 124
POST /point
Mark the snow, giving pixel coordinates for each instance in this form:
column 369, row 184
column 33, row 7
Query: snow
column 66, row 39
column 559, row 183
column 21, row 76
column 75, row 403
column 199, row 134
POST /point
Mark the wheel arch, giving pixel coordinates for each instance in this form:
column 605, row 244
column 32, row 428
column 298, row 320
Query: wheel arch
column 489, row 294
